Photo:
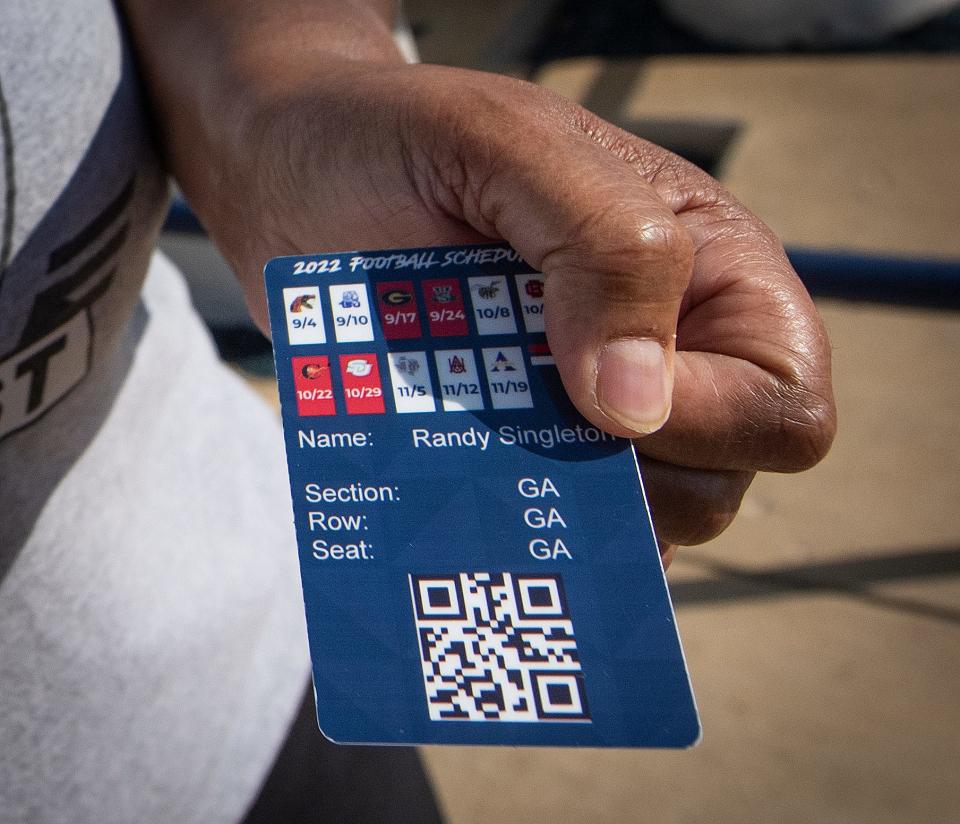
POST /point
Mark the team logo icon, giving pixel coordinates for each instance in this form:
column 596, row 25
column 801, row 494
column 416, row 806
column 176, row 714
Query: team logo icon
column 501, row 363
column 534, row 288
column 397, row 297
column 489, row 291
column 456, row 365
column 359, row 367
column 443, row 293
column 407, row 366
column 302, row 303
column 350, row 299
column 313, row 371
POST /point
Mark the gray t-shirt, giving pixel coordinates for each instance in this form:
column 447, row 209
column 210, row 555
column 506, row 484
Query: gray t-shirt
column 152, row 649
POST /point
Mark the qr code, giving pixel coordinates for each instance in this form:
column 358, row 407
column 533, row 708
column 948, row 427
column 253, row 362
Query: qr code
column 498, row 647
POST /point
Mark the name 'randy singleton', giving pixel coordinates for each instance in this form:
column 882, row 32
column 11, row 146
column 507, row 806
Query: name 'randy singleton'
column 475, row 438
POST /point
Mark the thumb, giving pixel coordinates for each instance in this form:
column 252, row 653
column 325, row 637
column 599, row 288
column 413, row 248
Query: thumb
column 616, row 262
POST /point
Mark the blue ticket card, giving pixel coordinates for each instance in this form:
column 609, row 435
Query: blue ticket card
column 477, row 559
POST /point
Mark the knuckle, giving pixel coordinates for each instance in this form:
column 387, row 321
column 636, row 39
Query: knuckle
column 614, row 238
column 664, row 240
column 712, row 525
column 705, row 527
column 807, row 427
column 688, row 188
column 720, row 506
column 649, row 260
column 693, row 506
column 800, row 401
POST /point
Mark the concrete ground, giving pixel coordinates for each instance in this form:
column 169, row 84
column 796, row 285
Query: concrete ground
column 822, row 630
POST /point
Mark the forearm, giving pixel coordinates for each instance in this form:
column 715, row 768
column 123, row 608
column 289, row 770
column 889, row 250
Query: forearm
column 210, row 64
column 188, row 47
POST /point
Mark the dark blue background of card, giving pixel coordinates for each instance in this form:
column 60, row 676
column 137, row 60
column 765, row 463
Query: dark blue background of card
column 460, row 511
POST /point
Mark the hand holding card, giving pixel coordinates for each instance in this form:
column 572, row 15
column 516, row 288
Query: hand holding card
column 477, row 558
column 304, row 129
